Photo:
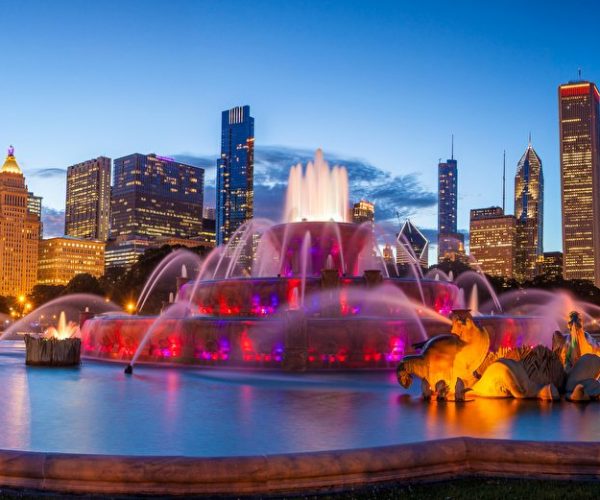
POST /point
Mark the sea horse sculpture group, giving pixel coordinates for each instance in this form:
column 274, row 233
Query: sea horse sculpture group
column 451, row 365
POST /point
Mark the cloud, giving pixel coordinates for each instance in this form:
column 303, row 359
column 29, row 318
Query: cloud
column 206, row 162
column 393, row 195
column 53, row 221
column 48, row 173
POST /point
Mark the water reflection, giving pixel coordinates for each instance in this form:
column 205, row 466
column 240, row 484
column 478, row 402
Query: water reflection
column 97, row 409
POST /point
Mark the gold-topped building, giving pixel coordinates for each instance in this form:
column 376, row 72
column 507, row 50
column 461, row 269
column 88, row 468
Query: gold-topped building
column 64, row 257
column 19, row 232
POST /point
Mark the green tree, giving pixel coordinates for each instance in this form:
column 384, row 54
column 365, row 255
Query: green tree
column 83, row 283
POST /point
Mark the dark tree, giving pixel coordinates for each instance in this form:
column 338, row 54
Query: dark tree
column 83, row 283
column 45, row 293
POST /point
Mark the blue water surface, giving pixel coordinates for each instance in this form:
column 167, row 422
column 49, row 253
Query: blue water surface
column 98, row 409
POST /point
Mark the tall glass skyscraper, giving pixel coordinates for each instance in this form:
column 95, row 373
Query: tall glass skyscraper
column 529, row 212
column 579, row 116
column 154, row 196
column 450, row 242
column 235, row 172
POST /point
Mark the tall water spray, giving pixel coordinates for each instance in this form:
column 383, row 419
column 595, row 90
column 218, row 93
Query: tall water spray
column 318, row 193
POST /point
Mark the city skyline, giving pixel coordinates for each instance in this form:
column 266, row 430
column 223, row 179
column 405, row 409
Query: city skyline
column 361, row 113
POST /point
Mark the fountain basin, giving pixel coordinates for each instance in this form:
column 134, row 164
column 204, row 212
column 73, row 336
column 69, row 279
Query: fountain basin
column 331, row 343
column 208, row 432
column 262, row 297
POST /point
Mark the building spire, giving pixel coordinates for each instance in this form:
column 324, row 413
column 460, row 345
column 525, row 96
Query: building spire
column 530, row 138
column 452, row 148
column 11, row 150
column 504, row 182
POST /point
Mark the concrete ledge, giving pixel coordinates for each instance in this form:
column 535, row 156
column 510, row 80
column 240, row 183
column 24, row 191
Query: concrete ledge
column 425, row 461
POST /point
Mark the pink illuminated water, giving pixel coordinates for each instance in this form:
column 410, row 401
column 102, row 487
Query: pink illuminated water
column 317, row 193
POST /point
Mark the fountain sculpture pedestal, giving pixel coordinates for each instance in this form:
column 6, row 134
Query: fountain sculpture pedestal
column 52, row 352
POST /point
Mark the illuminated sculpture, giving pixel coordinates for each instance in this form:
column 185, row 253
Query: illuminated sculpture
column 451, row 359
column 579, row 353
column 461, row 360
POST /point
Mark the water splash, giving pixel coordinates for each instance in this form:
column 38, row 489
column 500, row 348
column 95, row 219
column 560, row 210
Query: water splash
column 318, row 193
column 63, row 330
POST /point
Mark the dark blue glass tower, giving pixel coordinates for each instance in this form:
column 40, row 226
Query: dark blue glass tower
column 450, row 242
column 447, row 196
column 235, row 172
column 154, row 196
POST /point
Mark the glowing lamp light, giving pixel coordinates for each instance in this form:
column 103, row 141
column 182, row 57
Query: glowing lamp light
column 130, row 307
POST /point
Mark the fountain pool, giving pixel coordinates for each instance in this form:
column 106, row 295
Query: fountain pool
column 174, row 411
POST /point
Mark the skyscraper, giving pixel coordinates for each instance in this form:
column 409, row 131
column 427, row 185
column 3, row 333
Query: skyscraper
column 412, row 245
column 235, row 172
column 579, row 116
column 34, row 206
column 529, row 212
column 19, row 232
column 450, row 242
column 492, row 240
column 88, row 199
column 363, row 211
column 154, row 196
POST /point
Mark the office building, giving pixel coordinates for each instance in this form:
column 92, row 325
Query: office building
column 154, row 196
column 363, row 211
column 551, row 264
column 493, row 240
column 87, row 213
column 209, row 213
column 19, row 232
column 412, row 246
column 579, row 117
column 451, row 247
column 529, row 212
column 124, row 251
column 235, row 172
column 450, row 241
column 62, row 258
column 208, row 236
column 34, row 206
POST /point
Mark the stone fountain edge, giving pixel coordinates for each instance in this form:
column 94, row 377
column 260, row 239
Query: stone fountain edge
column 299, row 472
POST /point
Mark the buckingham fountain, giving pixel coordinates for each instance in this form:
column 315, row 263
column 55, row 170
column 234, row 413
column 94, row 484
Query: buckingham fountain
column 274, row 367
column 313, row 292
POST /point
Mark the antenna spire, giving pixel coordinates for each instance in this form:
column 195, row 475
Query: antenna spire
column 530, row 138
column 579, row 73
column 504, row 181
column 452, row 148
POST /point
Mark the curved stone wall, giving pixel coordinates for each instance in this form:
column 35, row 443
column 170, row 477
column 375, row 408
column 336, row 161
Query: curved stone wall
column 433, row 460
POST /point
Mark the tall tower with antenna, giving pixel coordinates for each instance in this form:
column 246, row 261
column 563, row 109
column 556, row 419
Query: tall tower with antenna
column 504, row 181
column 450, row 242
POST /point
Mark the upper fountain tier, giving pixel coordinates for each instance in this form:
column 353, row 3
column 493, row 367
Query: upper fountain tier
column 318, row 193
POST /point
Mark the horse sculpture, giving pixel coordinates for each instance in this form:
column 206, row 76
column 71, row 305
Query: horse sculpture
column 449, row 358
column 580, row 354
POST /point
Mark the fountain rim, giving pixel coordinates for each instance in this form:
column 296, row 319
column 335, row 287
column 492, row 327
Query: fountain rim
column 343, row 276
column 346, row 469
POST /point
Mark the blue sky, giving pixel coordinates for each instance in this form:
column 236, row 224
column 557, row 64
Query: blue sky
column 385, row 83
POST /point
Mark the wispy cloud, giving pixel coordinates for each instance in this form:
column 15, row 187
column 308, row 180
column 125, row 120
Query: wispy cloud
column 47, row 173
column 393, row 195
column 53, row 221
